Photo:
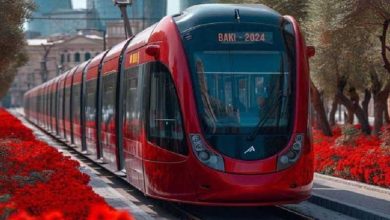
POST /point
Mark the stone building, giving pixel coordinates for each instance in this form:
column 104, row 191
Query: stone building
column 64, row 53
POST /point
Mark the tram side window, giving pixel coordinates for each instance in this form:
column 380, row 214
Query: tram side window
column 48, row 103
column 90, row 109
column 38, row 103
column 165, row 127
column 76, row 103
column 53, row 101
column 67, row 103
column 133, row 103
column 47, row 106
column 43, row 96
column 60, row 102
column 108, row 107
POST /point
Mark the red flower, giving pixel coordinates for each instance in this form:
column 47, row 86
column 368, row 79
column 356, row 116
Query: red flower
column 365, row 162
column 39, row 180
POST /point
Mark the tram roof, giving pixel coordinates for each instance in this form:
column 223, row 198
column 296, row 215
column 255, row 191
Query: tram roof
column 226, row 13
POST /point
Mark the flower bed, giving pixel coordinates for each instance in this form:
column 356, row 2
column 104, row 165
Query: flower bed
column 38, row 182
column 365, row 160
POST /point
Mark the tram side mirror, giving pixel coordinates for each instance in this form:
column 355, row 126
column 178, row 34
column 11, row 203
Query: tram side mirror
column 310, row 51
column 153, row 50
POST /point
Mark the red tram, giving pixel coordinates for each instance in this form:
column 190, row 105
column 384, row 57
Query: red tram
column 206, row 107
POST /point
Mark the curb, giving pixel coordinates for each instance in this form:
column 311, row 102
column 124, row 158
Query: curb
column 365, row 186
column 346, row 209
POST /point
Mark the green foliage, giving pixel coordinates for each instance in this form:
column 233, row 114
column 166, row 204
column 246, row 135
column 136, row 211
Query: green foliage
column 349, row 136
column 341, row 48
column 12, row 16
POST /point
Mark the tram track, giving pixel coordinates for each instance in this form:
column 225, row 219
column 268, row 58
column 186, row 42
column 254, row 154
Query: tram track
column 178, row 210
column 227, row 213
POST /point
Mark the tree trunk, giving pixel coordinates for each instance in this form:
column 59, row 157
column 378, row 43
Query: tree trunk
column 384, row 47
column 353, row 104
column 380, row 106
column 378, row 115
column 357, row 110
column 387, row 117
column 366, row 101
column 380, row 98
column 332, row 113
column 319, row 108
column 350, row 117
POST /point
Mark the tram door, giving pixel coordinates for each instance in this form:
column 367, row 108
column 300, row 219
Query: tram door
column 165, row 150
column 133, row 126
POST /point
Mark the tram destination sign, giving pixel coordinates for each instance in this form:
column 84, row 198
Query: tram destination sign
column 245, row 37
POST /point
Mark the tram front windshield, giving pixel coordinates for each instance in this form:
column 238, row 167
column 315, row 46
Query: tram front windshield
column 243, row 80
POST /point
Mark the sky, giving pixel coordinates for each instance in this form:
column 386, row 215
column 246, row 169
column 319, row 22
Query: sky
column 173, row 5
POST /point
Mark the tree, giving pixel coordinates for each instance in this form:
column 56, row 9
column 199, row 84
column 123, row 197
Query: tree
column 374, row 18
column 14, row 13
column 340, row 67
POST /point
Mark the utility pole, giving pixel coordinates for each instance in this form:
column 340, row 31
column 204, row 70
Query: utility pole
column 44, row 71
column 122, row 4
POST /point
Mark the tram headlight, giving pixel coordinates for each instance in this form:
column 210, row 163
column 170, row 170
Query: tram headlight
column 204, row 155
column 293, row 154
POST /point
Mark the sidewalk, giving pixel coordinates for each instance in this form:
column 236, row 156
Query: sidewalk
column 352, row 198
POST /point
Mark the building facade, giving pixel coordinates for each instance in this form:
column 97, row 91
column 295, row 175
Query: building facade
column 56, row 25
column 65, row 53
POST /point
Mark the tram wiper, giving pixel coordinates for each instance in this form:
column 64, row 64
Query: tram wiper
column 264, row 119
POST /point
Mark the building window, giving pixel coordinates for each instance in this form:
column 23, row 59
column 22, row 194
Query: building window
column 62, row 58
column 77, row 57
column 87, row 56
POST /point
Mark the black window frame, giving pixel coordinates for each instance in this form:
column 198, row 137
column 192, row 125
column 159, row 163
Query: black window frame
column 67, row 104
column 131, row 74
column 107, row 119
column 76, row 104
column 181, row 146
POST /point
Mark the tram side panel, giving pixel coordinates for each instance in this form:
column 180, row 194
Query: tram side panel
column 76, row 105
column 91, row 95
column 133, row 119
column 60, row 106
column 53, row 112
column 108, row 91
column 111, row 151
column 47, row 106
column 90, row 113
column 44, row 104
column 67, row 106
